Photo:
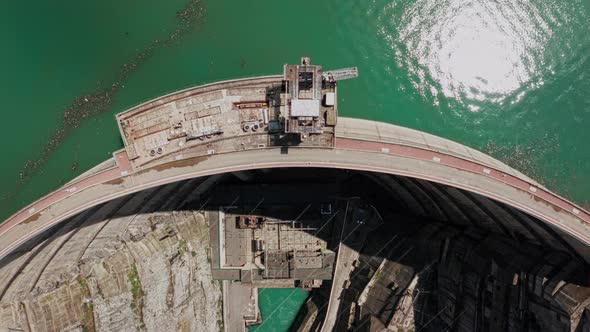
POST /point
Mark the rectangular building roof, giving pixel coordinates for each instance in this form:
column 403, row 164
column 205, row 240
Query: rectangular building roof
column 305, row 107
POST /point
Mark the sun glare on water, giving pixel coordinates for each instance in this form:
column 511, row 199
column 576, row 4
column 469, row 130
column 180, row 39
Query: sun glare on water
column 471, row 51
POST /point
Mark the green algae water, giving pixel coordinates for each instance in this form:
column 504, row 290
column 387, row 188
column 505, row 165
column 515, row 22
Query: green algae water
column 278, row 307
column 510, row 78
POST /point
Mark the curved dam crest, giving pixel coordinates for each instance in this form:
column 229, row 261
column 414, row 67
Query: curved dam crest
column 354, row 136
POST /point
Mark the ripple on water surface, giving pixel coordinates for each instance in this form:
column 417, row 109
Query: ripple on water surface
column 480, row 53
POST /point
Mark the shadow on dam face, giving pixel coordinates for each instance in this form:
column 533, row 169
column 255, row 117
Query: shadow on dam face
column 428, row 257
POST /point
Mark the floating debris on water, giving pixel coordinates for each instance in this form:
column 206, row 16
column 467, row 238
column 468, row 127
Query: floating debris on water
column 98, row 101
column 527, row 159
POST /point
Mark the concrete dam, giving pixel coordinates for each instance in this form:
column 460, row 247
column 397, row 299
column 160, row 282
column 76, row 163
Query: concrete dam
column 254, row 183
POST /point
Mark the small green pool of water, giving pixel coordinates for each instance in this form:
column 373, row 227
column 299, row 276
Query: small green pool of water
column 279, row 307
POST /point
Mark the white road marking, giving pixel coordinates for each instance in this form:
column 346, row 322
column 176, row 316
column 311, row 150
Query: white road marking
column 72, row 189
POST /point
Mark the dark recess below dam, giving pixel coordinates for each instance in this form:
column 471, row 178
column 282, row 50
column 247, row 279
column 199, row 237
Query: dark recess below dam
column 456, row 260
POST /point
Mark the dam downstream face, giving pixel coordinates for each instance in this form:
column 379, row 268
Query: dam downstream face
column 532, row 117
column 434, row 251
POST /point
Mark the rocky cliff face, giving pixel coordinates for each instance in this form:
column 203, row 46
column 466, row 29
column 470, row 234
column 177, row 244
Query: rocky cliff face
column 154, row 275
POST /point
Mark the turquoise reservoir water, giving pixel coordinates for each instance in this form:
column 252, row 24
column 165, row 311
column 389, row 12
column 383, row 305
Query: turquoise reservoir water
column 511, row 78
